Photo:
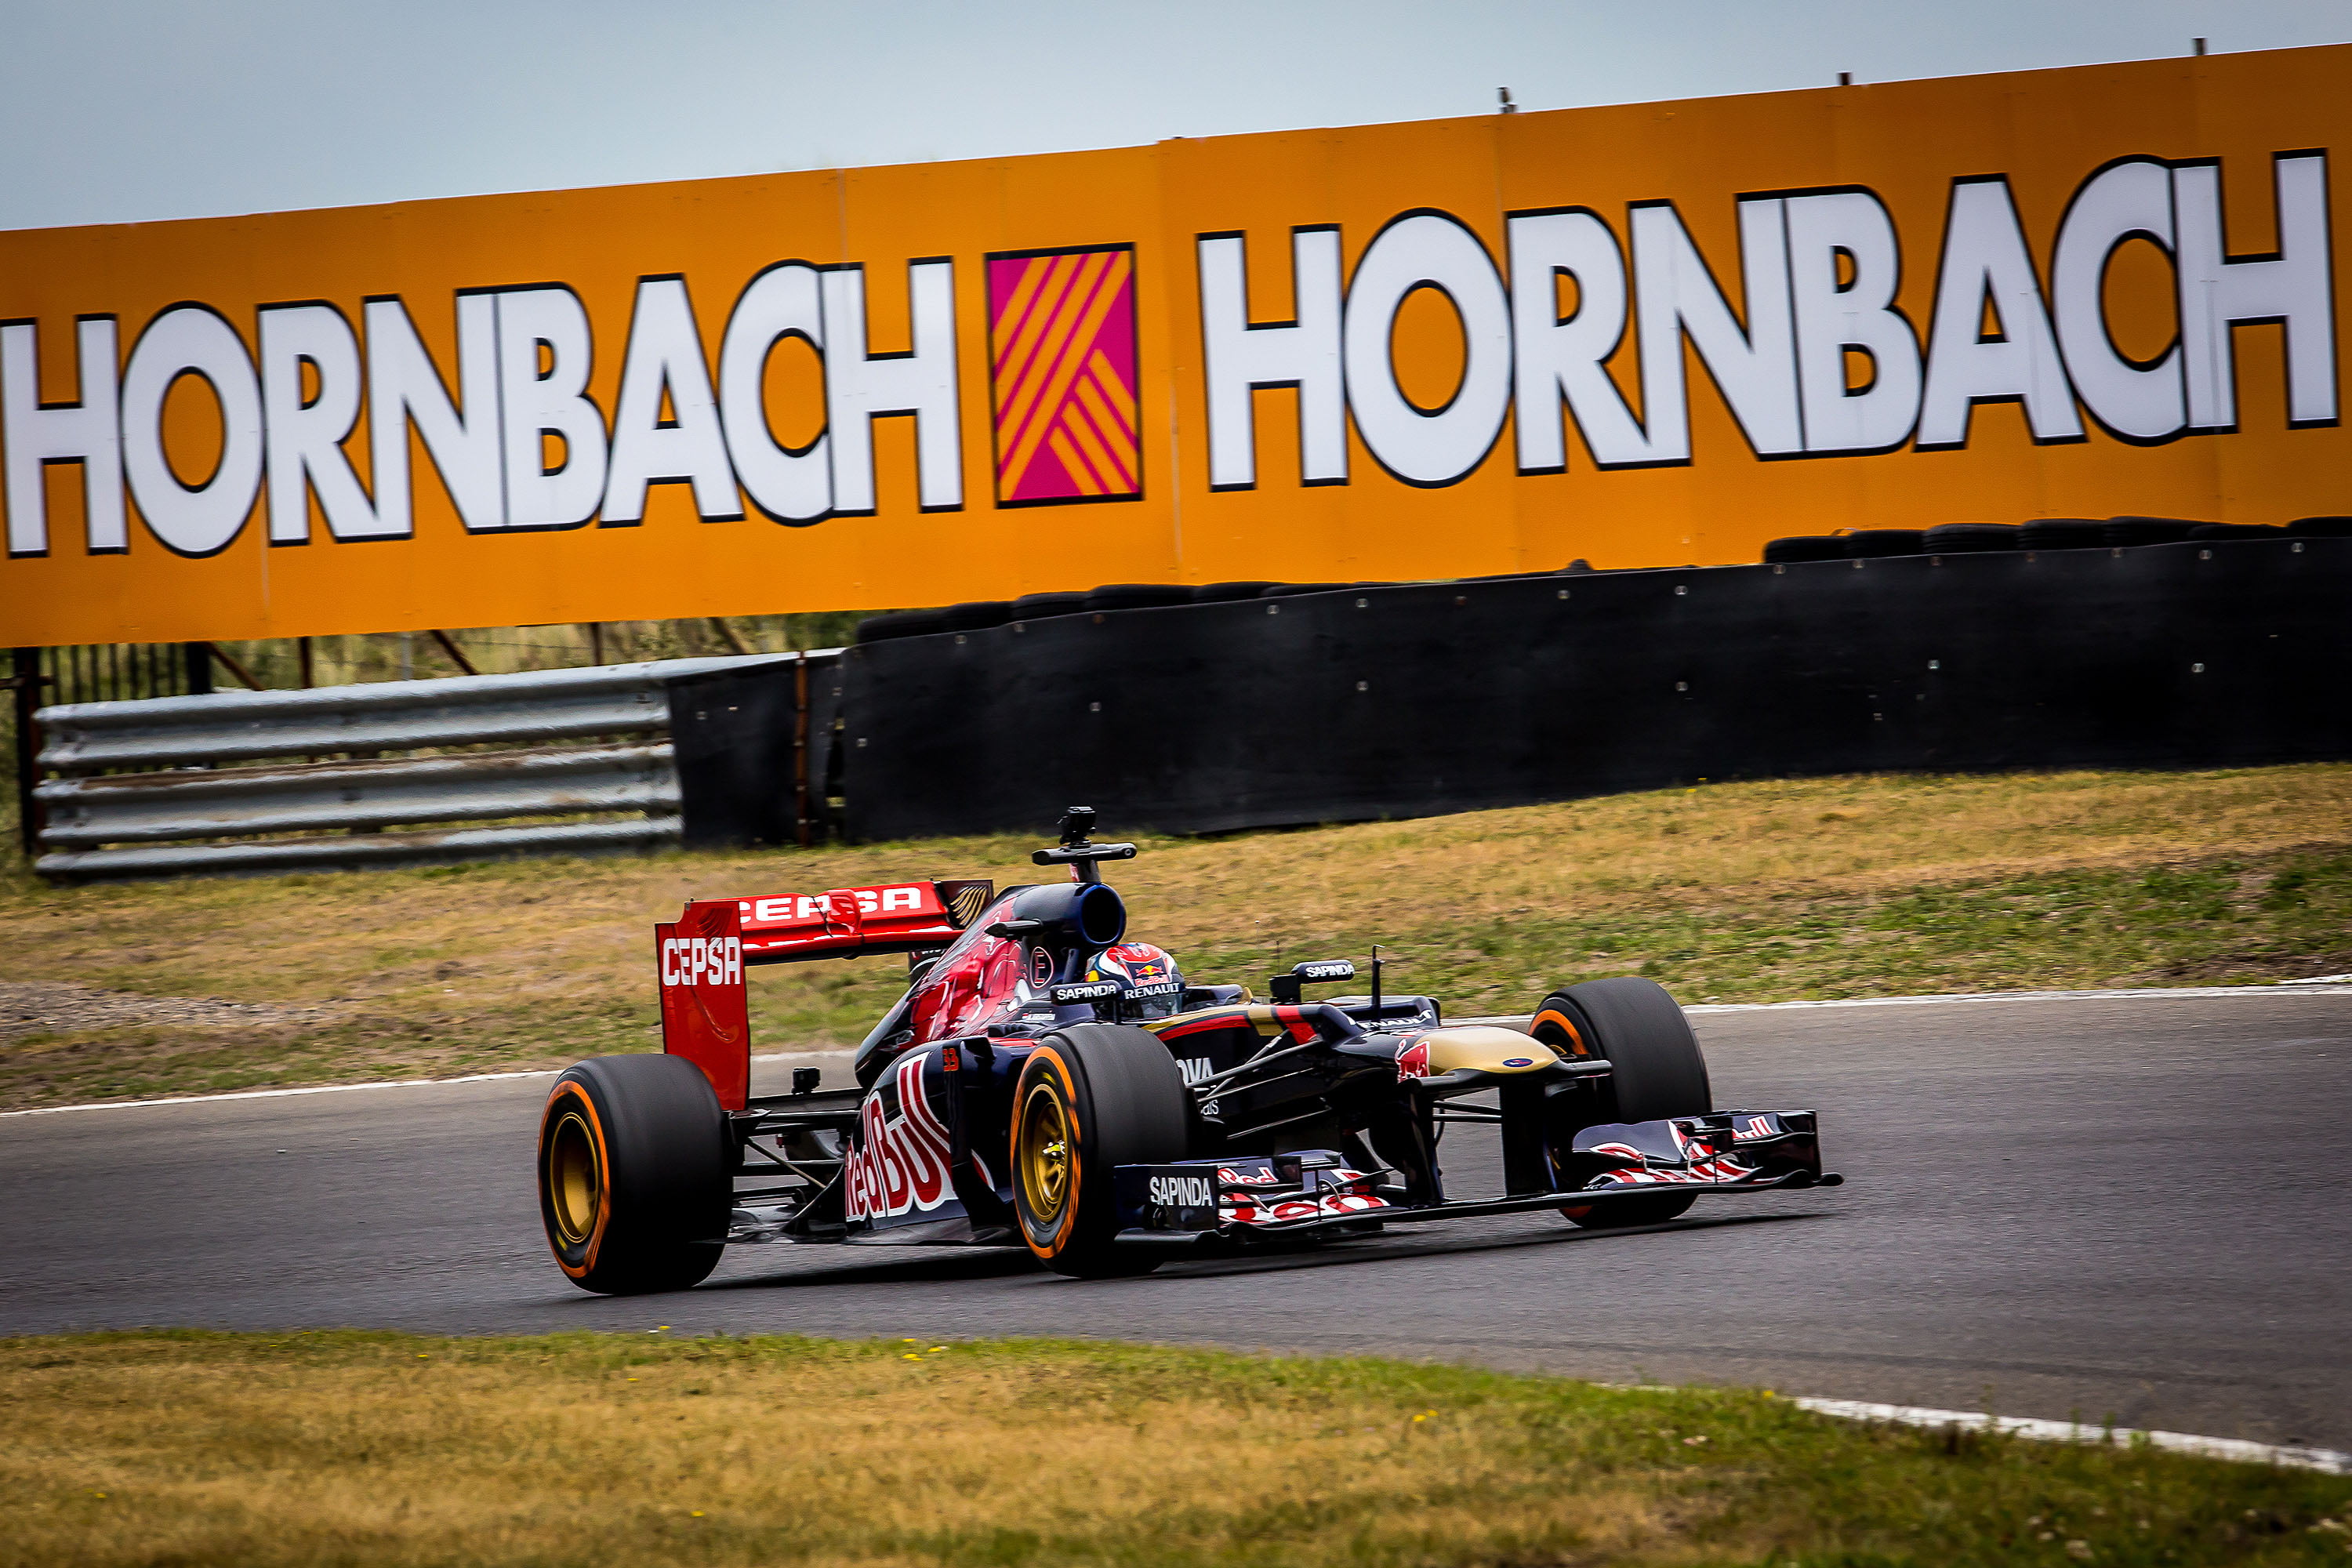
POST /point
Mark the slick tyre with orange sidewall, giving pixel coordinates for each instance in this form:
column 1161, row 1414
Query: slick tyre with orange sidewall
column 1656, row 1071
column 1090, row 1098
column 634, row 1183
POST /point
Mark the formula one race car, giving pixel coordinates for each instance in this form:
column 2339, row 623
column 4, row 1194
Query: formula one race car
column 1044, row 1082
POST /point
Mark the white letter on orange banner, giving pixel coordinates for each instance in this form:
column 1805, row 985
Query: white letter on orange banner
column 405, row 387
column 89, row 432
column 1985, row 261
column 2127, row 200
column 1835, row 318
column 1241, row 356
column 2290, row 286
column 1559, row 359
column 534, row 405
column 791, row 485
column 1676, row 296
column 306, row 437
column 192, row 339
column 1428, row 447
column 665, row 355
column 859, row 388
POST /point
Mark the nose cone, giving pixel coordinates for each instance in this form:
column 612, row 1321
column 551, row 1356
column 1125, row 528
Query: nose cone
column 1486, row 1049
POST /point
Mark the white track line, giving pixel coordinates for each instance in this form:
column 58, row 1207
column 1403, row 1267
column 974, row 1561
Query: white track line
column 2153, row 993
column 2283, row 988
column 280, row 1094
column 2329, row 1460
column 346, row 1088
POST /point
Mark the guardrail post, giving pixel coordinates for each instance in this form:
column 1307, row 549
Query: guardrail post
column 26, row 680
column 196, row 657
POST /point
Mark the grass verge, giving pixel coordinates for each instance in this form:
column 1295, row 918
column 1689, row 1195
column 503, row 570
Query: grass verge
column 358, row 1447
column 1748, row 892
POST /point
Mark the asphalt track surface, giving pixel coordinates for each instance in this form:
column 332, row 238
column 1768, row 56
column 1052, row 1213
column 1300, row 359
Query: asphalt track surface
column 2124, row 1208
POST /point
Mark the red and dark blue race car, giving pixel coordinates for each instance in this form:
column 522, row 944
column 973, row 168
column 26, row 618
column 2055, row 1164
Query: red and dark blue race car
column 1047, row 1083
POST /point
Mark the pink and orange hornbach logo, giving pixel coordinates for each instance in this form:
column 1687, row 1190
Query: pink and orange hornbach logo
column 1063, row 376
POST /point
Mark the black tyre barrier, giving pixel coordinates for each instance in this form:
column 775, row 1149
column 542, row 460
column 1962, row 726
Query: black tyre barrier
column 731, row 735
column 2321, row 528
column 981, row 613
column 901, row 623
column 1226, row 592
column 2125, row 531
column 976, row 614
column 2062, row 533
column 1871, row 544
column 1968, row 538
column 1033, row 606
column 1452, row 697
column 2237, row 531
column 1138, row 596
column 1805, row 547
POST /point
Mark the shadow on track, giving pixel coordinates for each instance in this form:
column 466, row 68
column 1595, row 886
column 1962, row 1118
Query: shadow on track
column 1383, row 1250
column 942, row 1264
column 950, row 1265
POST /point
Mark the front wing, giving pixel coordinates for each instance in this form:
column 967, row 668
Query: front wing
column 1208, row 1205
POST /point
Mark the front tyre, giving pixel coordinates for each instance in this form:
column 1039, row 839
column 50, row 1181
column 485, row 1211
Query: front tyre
column 1090, row 1098
column 634, row 1187
column 1657, row 1071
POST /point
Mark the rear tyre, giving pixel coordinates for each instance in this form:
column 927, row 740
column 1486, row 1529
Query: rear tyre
column 633, row 1174
column 1656, row 1071
column 1091, row 1097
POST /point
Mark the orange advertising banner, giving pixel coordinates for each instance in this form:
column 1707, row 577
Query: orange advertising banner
column 1642, row 335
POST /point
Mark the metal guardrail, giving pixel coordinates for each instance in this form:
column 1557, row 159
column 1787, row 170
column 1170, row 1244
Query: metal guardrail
column 532, row 709
column 356, row 797
column 171, row 816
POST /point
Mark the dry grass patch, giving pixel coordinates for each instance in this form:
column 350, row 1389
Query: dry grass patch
column 359, row 1449
column 539, row 962
column 1723, row 844
column 383, row 1448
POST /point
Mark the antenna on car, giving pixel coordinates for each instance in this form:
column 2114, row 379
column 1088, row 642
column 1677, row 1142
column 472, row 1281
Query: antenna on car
column 1079, row 851
column 1376, row 980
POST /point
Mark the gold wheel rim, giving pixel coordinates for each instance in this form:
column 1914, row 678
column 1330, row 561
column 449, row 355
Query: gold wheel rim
column 1044, row 1153
column 574, row 1177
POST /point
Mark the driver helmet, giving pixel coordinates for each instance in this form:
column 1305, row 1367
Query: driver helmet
column 1149, row 984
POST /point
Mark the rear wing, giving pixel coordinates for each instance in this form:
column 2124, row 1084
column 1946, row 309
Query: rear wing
column 904, row 916
column 699, row 957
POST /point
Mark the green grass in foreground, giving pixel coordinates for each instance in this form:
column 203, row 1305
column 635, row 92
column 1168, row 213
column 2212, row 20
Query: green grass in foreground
column 363, row 1448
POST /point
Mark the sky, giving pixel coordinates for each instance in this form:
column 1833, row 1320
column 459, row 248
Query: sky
column 127, row 111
